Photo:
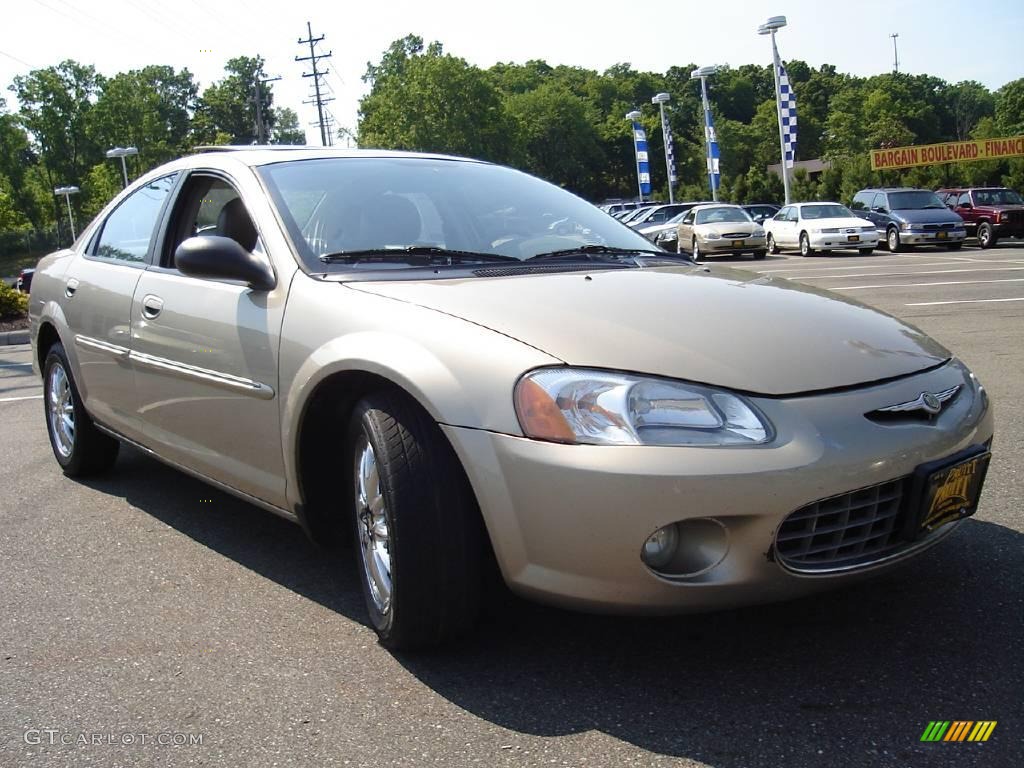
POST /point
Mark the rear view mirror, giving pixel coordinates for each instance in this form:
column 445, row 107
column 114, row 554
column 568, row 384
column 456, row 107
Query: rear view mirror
column 222, row 258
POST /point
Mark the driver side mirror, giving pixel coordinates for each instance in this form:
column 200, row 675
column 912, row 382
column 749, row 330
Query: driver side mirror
column 222, row 258
column 880, row 209
column 965, row 205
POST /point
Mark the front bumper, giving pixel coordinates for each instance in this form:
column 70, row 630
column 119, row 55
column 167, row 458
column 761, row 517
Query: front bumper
column 932, row 237
column 732, row 245
column 832, row 241
column 568, row 522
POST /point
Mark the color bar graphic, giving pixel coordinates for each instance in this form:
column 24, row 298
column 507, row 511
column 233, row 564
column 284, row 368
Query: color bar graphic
column 958, row 730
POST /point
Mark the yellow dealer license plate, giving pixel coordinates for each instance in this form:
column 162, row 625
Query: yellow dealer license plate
column 952, row 492
column 853, row 238
column 737, row 243
column 941, row 236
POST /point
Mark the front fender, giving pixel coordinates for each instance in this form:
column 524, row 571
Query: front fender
column 462, row 374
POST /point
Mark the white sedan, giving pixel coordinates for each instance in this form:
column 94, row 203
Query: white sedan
column 812, row 227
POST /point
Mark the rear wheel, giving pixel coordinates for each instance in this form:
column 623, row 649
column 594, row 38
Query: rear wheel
column 986, row 236
column 892, row 239
column 805, row 245
column 772, row 247
column 420, row 538
column 79, row 447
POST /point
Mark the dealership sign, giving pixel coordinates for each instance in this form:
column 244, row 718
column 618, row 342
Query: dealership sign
column 950, row 152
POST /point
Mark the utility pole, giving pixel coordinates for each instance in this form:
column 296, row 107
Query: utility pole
column 895, row 53
column 316, row 74
column 257, row 96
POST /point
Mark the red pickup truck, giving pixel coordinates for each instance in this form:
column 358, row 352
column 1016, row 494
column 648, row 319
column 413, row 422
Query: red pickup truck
column 989, row 213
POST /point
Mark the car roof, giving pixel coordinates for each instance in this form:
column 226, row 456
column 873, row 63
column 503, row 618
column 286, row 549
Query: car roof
column 895, row 189
column 816, row 202
column 255, row 155
column 702, row 206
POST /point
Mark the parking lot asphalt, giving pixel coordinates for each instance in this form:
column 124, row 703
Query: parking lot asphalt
column 146, row 603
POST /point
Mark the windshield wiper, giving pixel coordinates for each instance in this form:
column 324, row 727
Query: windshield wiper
column 427, row 255
column 589, row 251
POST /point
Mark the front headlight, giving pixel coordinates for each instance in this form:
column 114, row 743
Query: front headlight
column 758, row 232
column 593, row 407
column 868, row 229
column 905, row 225
column 711, row 236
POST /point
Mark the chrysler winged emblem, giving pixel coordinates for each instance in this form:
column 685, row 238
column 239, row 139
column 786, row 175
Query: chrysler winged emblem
column 928, row 402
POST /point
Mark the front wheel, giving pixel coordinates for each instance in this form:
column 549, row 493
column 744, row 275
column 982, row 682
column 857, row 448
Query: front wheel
column 865, row 251
column 758, row 255
column 419, row 533
column 695, row 251
column 772, row 247
column 986, row 237
column 79, row 447
column 955, row 246
column 892, row 239
column 805, row 245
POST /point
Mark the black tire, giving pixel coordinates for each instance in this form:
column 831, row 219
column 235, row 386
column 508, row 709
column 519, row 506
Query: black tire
column 892, row 240
column 955, row 246
column 84, row 450
column 772, row 247
column 865, row 251
column 759, row 255
column 805, row 245
column 434, row 535
column 986, row 235
column 695, row 253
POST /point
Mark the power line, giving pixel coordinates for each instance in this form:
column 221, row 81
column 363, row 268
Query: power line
column 316, row 74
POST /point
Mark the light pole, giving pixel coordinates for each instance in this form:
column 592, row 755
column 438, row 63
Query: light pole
column 122, row 152
column 68, row 192
column 770, row 27
column 660, row 99
column 639, row 152
column 895, row 53
column 710, row 141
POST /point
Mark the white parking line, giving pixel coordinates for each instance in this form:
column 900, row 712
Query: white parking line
column 913, row 274
column 815, row 266
column 925, row 285
column 16, row 399
column 961, row 301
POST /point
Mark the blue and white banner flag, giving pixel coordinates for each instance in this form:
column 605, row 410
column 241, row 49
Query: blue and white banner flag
column 670, row 152
column 787, row 114
column 714, row 171
column 643, row 167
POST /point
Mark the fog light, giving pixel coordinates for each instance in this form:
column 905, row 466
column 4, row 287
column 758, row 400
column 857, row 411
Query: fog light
column 661, row 546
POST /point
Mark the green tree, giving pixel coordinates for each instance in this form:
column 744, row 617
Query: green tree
column 228, row 107
column 434, row 102
column 286, row 127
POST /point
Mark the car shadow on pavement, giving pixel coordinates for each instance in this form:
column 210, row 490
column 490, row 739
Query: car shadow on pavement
column 850, row 677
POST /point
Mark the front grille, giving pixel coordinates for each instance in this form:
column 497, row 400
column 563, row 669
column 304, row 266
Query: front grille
column 1012, row 217
column 856, row 528
column 736, row 235
column 935, row 227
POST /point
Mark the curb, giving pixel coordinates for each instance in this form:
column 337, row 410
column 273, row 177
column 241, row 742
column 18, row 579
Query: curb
column 10, row 338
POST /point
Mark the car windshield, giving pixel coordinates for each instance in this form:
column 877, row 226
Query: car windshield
column 340, row 205
column 913, row 201
column 722, row 214
column 997, row 197
column 826, row 212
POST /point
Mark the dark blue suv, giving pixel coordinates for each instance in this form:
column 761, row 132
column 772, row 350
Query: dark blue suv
column 904, row 216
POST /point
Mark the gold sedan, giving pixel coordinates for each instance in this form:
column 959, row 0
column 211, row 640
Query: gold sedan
column 711, row 230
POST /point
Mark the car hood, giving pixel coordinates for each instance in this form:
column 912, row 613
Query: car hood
column 927, row 216
column 725, row 327
column 836, row 223
column 727, row 227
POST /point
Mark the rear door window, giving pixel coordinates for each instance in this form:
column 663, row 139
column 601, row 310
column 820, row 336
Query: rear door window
column 128, row 231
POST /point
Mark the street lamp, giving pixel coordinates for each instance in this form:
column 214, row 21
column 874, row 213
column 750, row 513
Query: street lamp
column 660, row 99
column 122, row 152
column 640, row 153
column 702, row 74
column 68, row 192
column 770, row 27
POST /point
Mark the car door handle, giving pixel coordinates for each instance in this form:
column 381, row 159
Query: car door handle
column 71, row 287
column 151, row 306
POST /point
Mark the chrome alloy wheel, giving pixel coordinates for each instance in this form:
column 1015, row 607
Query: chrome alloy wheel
column 372, row 523
column 61, row 409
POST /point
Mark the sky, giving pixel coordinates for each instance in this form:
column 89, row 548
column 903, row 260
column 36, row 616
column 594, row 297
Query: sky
column 951, row 39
